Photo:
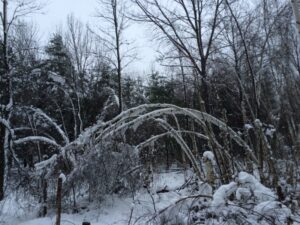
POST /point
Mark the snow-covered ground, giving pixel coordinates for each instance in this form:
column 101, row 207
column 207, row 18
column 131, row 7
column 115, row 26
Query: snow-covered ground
column 245, row 196
column 114, row 210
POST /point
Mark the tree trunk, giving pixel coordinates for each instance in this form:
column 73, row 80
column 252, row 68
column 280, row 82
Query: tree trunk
column 45, row 197
column 58, row 201
column 2, row 160
column 5, row 87
column 295, row 5
column 118, row 51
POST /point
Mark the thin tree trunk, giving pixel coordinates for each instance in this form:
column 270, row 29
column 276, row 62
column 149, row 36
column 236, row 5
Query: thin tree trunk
column 5, row 87
column 45, row 196
column 295, row 5
column 5, row 30
column 252, row 75
column 58, row 201
column 118, row 49
column 2, row 160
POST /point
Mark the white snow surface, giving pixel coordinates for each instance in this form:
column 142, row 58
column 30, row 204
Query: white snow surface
column 221, row 195
column 261, row 192
column 209, row 155
column 167, row 181
column 274, row 209
column 242, row 193
column 270, row 132
column 57, row 78
column 115, row 210
column 248, row 126
column 63, row 177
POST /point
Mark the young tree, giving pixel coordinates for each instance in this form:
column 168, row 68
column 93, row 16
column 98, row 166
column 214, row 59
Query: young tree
column 160, row 89
column 59, row 59
column 20, row 8
column 115, row 22
column 5, row 99
column 80, row 43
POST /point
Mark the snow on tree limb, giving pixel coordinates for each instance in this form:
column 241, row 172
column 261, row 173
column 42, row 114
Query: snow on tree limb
column 37, row 139
column 121, row 125
column 5, row 123
column 134, row 117
column 46, row 163
column 183, row 145
column 141, row 113
column 51, row 121
column 159, row 136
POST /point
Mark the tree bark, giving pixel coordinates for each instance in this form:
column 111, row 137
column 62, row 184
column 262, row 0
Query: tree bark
column 296, row 9
column 45, row 196
column 118, row 28
column 2, row 160
column 58, row 201
column 4, row 86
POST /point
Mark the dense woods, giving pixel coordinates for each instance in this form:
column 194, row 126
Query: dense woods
column 224, row 107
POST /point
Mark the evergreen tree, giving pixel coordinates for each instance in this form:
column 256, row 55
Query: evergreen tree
column 59, row 60
column 128, row 92
column 160, row 90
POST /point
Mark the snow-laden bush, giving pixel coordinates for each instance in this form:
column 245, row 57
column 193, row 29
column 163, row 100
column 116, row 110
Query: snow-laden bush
column 17, row 205
column 243, row 201
column 107, row 168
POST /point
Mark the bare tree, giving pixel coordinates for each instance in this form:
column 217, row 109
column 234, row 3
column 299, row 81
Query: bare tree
column 79, row 40
column 190, row 26
column 20, row 8
column 80, row 43
column 115, row 22
column 23, row 39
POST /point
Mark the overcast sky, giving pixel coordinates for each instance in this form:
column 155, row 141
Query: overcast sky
column 55, row 14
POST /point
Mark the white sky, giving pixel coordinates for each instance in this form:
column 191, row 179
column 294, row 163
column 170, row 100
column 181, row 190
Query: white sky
column 55, row 14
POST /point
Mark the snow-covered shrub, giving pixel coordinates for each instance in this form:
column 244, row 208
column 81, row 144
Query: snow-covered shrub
column 248, row 201
column 108, row 168
column 243, row 201
column 209, row 164
column 250, row 184
column 272, row 212
column 17, row 205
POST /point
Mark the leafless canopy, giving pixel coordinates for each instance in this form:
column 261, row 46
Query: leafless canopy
column 190, row 26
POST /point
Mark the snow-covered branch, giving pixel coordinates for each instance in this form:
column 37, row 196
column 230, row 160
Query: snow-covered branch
column 37, row 139
column 2, row 107
column 133, row 118
column 166, row 134
column 51, row 122
column 183, row 145
column 5, row 123
column 138, row 115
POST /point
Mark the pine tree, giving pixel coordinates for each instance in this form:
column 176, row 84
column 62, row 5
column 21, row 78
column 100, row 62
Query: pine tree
column 59, row 60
